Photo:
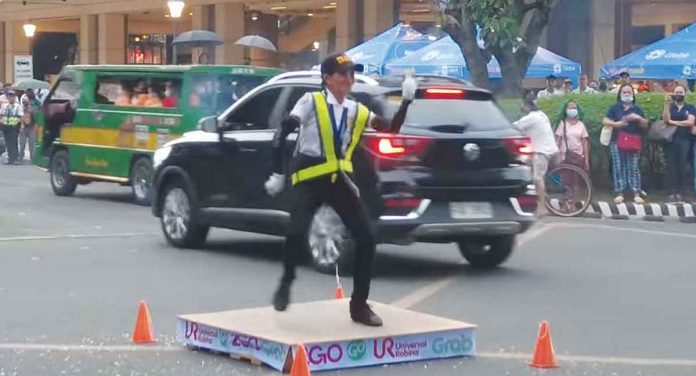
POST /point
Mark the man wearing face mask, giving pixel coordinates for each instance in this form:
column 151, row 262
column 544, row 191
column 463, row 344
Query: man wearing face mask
column 678, row 113
column 330, row 125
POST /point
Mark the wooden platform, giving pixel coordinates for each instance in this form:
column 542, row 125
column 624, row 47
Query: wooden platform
column 331, row 339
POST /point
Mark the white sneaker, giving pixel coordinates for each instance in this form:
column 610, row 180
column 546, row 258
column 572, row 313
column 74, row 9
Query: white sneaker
column 619, row 199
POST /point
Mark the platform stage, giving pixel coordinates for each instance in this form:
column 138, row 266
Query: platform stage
column 331, row 339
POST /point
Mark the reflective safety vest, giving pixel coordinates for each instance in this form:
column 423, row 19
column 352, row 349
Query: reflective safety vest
column 332, row 164
column 10, row 115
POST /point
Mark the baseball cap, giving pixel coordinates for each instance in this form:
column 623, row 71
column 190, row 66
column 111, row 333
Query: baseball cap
column 624, row 74
column 339, row 63
column 10, row 92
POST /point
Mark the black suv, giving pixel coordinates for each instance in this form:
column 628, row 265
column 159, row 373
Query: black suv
column 456, row 173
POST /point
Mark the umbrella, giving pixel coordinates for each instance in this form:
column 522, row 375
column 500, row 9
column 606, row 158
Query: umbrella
column 198, row 38
column 32, row 84
column 256, row 41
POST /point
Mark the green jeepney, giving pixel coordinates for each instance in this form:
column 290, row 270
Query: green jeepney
column 103, row 123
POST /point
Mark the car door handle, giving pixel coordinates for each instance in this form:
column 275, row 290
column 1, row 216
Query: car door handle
column 247, row 150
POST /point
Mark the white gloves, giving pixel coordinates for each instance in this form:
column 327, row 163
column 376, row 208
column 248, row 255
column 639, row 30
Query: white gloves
column 275, row 184
column 408, row 88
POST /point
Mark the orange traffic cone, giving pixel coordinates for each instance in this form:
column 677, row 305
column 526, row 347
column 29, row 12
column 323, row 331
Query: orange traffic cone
column 543, row 350
column 339, row 288
column 143, row 325
column 300, row 365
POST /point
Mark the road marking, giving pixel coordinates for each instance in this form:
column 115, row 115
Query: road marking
column 483, row 355
column 433, row 288
column 75, row 236
column 628, row 229
column 94, row 348
column 595, row 359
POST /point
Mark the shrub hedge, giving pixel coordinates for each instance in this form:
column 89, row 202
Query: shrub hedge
column 594, row 107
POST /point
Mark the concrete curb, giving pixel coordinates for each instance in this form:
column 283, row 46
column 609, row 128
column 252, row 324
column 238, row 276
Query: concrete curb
column 651, row 212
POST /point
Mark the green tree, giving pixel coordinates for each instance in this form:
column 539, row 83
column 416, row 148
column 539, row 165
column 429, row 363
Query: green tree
column 510, row 29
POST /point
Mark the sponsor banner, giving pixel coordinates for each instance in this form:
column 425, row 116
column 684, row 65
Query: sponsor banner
column 207, row 337
column 369, row 352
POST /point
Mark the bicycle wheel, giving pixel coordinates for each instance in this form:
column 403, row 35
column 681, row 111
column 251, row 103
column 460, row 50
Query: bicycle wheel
column 568, row 190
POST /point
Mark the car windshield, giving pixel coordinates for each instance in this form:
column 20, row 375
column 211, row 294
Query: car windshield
column 213, row 93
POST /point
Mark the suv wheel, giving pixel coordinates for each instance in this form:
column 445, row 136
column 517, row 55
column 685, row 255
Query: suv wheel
column 329, row 243
column 487, row 252
column 141, row 181
column 62, row 182
column 178, row 219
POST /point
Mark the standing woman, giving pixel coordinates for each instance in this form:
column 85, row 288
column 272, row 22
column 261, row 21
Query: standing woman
column 678, row 113
column 572, row 136
column 627, row 119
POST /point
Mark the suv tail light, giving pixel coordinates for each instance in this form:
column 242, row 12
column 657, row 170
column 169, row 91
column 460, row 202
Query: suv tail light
column 520, row 147
column 402, row 203
column 397, row 146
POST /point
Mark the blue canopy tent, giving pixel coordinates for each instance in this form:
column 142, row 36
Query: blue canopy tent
column 392, row 44
column 670, row 58
column 444, row 57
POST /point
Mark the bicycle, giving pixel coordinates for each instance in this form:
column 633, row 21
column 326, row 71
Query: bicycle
column 568, row 190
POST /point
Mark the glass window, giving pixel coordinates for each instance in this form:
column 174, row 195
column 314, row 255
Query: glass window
column 212, row 94
column 66, row 90
column 255, row 113
column 147, row 49
column 133, row 91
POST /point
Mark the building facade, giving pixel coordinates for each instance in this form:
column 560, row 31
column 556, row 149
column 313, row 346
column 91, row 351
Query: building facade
column 140, row 32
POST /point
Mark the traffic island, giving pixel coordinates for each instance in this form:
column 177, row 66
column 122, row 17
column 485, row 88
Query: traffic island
column 331, row 339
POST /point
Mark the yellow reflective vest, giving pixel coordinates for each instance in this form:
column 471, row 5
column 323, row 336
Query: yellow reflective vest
column 331, row 164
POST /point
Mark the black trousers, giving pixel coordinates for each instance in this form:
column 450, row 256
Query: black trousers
column 307, row 197
column 677, row 155
column 11, row 134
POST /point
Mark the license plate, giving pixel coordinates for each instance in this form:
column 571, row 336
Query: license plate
column 471, row 210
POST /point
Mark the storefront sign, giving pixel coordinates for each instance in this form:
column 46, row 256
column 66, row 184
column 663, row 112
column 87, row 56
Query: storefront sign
column 23, row 68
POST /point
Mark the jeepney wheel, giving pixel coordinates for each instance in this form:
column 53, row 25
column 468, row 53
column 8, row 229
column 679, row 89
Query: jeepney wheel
column 62, row 182
column 179, row 218
column 141, row 181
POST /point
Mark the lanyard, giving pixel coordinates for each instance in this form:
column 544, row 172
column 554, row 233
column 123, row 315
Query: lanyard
column 338, row 130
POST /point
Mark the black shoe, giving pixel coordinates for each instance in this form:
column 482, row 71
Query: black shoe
column 281, row 298
column 363, row 314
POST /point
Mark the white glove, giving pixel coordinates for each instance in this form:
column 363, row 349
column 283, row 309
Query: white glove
column 275, row 184
column 408, row 88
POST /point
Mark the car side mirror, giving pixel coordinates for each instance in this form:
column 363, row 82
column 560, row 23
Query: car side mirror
column 208, row 124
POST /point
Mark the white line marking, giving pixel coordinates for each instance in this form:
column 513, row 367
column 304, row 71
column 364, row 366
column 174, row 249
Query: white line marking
column 688, row 210
column 94, row 348
column 672, row 210
column 484, row 355
column 640, row 210
column 623, row 209
column 656, row 209
column 606, row 210
column 433, row 288
column 75, row 236
column 595, row 359
column 613, row 228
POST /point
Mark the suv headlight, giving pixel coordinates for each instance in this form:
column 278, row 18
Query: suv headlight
column 160, row 155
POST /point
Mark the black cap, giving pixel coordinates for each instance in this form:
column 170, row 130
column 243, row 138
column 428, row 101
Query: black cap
column 624, row 74
column 339, row 63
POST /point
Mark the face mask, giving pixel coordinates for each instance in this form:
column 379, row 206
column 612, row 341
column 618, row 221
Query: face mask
column 678, row 98
column 627, row 98
column 168, row 93
column 572, row 113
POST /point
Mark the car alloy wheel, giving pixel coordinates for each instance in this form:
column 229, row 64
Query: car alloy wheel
column 176, row 214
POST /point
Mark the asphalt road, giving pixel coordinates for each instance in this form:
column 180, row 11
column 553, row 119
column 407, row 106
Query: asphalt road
column 618, row 295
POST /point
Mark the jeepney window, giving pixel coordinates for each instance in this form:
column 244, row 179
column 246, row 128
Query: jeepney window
column 130, row 91
column 212, row 94
column 66, row 90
